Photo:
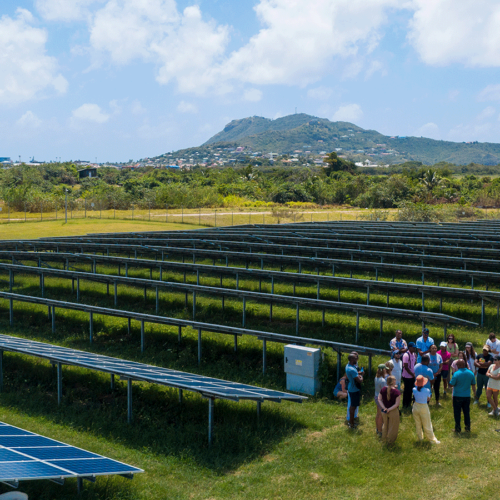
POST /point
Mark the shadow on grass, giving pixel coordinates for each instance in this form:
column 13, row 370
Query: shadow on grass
column 161, row 424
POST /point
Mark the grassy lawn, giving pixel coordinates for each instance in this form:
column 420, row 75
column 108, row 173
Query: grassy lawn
column 292, row 452
column 27, row 230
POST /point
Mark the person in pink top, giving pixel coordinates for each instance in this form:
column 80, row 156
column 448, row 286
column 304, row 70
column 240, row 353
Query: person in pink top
column 443, row 352
column 409, row 361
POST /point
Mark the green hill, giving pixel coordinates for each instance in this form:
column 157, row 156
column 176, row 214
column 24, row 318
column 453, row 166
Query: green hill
column 303, row 133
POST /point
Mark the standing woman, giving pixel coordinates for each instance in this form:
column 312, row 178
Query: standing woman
column 470, row 355
column 493, row 388
column 436, row 365
column 421, row 413
column 389, row 399
column 454, row 367
column 379, row 384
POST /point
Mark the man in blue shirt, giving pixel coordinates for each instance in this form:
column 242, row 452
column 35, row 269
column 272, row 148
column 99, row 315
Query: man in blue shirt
column 462, row 381
column 353, row 388
column 424, row 370
column 424, row 344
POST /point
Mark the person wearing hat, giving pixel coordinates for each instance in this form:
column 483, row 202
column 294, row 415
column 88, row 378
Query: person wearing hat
column 421, row 413
column 380, row 382
column 424, row 344
column 462, row 381
column 409, row 362
column 493, row 375
column 445, row 369
column 482, row 363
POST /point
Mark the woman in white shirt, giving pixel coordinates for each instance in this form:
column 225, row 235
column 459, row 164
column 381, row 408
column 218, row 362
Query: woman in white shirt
column 421, row 413
column 380, row 381
column 398, row 368
column 493, row 388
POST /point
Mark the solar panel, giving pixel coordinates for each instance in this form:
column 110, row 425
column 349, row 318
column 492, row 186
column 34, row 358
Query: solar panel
column 26, row 456
column 207, row 386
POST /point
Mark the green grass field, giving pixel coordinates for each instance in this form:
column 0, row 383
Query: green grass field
column 292, row 452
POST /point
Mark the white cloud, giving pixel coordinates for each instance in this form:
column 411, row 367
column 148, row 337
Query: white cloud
column 489, row 93
column 374, row 67
column 430, row 130
column 453, row 94
column 91, row 113
column 138, row 108
column 486, row 113
column 298, row 41
column 253, row 95
column 456, row 31
column 64, row 10
column 320, row 93
column 186, row 107
column 183, row 46
column 25, row 69
column 348, row 113
column 29, row 120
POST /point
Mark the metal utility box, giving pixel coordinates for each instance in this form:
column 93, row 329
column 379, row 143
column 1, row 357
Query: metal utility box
column 301, row 368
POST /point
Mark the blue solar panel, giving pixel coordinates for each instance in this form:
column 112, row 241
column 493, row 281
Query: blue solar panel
column 25, row 455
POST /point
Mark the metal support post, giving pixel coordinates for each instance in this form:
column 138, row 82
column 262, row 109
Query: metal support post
column 381, row 325
column 423, row 301
column 237, row 281
column 179, row 334
column 210, row 420
column 59, row 383
column 77, row 289
column 129, row 401
column 357, row 326
column 91, row 326
column 112, row 382
column 369, row 365
column 116, row 294
column 323, row 319
column 128, row 325
column 142, row 336
column 244, row 311
column 53, row 319
column 11, row 312
column 157, row 301
column 42, row 278
column 317, row 292
column 367, row 295
column 297, row 321
column 482, row 312
column 180, row 396
column 199, row 345
column 194, row 304
column 264, row 355
column 339, row 363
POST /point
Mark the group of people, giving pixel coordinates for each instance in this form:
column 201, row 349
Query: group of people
column 415, row 373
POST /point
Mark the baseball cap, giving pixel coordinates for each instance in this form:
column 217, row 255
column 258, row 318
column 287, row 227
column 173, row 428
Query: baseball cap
column 443, row 344
column 412, row 344
column 486, row 347
column 469, row 344
column 381, row 366
column 425, row 330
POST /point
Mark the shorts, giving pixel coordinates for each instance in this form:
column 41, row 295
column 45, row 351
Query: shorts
column 355, row 398
column 335, row 392
column 444, row 374
column 492, row 390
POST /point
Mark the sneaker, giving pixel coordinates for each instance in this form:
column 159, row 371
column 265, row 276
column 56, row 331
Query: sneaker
column 488, row 406
column 497, row 412
column 437, row 442
column 493, row 413
column 476, row 402
column 438, row 403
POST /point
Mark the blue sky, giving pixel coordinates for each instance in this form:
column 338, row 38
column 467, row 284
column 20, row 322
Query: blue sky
column 127, row 79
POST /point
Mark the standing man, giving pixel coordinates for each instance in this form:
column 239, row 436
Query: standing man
column 462, row 381
column 353, row 388
column 425, row 370
column 409, row 361
column 424, row 344
column 493, row 343
column 482, row 363
column 398, row 344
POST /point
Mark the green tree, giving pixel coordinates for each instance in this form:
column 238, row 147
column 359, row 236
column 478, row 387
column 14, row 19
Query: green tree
column 336, row 164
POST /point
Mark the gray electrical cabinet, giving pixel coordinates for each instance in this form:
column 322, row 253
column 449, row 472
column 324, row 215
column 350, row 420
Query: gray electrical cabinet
column 301, row 368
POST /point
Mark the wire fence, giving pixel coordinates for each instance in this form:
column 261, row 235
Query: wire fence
column 210, row 217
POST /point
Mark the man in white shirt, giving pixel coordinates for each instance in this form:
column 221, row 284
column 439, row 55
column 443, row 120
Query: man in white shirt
column 494, row 344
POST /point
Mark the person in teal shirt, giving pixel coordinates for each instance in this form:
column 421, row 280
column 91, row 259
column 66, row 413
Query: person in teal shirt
column 462, row 381
column 423, row 369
